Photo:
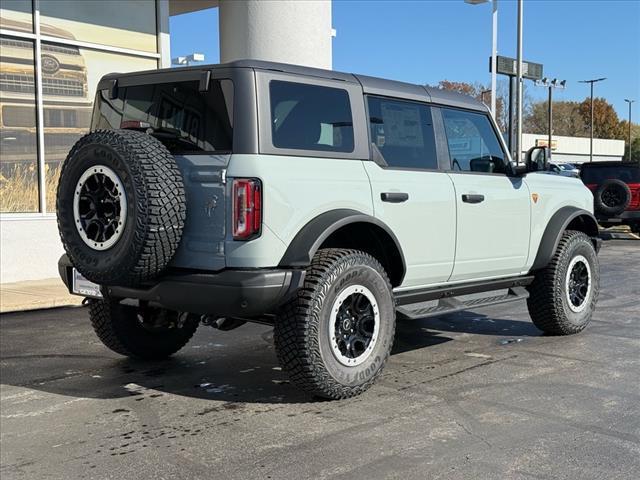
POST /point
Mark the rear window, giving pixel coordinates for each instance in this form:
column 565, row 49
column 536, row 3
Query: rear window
column 402, row 132
column 310, row 117
column 600, row 174
column 178, row 114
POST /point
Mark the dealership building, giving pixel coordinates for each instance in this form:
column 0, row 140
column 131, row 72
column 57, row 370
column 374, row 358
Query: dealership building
column 53, row 53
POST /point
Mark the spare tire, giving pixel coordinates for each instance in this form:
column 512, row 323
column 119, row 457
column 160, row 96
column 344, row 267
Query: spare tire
column 121, row 207
column 612, row 197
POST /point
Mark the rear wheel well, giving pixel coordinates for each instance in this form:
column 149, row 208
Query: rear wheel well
column 373, row 240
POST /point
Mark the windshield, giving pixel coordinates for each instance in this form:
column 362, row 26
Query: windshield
column 184, row 119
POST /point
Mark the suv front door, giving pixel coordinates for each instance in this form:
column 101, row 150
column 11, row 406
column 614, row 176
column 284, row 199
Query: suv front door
column 493, row 209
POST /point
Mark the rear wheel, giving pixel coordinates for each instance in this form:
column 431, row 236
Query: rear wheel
column 149, row 333
column 563, row 295
column 336, row 336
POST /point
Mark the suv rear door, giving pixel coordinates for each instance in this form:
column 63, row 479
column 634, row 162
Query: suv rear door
column 191, row 113
column 410, row 192
column 493, row 210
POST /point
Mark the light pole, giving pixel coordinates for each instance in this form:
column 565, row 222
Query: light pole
column 591, row 128
column 494, row 50
column 550, row 85
column 519, row 86
column 630, row 102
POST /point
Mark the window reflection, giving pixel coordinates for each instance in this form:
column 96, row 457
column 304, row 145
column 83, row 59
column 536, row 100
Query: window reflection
column 18, row 145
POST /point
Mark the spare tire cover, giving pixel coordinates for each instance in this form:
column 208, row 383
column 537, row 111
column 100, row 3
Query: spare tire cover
column 612, row 197
column 121, row 206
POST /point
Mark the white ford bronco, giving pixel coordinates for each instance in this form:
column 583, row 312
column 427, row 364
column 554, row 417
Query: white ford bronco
column 319, row 202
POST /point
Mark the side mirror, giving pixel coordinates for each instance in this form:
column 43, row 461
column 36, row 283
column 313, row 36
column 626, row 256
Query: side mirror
column 537, row 159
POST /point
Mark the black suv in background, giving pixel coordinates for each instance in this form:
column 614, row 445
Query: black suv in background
column 616, row 192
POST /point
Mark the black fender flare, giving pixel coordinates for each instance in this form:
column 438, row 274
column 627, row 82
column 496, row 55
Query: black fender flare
column 310, row 237
column 558, row 223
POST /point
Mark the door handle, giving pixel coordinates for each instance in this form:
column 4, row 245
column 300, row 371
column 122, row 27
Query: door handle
column 472, row 198
column 394, row 197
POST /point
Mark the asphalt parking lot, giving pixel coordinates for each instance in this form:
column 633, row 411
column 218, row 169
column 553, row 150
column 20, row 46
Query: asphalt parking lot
column 476, row 395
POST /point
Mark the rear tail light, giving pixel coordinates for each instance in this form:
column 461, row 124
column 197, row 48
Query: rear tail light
column 635, row 196
column 247, row 208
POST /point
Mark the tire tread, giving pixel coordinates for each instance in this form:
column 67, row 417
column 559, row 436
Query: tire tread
column 297, row 326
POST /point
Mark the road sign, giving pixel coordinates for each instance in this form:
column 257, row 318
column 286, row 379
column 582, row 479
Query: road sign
column 508, row 66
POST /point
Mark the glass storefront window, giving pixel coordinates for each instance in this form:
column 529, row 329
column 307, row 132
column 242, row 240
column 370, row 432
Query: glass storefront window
column 18, row 144
column 118, row 23
column 17, row 15
column 70, row 76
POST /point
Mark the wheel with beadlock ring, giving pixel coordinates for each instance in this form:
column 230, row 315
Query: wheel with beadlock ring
column 334, row 338
column 563, row 295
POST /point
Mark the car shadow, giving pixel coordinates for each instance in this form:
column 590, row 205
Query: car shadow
column 241, row 370
column 469, row 321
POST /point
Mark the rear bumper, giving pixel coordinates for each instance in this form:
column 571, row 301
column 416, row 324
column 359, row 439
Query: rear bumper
column 228, row 293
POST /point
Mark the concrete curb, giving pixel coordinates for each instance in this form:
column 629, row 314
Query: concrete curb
column 35, row 295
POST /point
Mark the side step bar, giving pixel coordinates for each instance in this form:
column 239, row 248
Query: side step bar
column 448, row 299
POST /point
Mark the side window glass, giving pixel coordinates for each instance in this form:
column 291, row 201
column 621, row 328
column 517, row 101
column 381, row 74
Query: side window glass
column 473, row 145
column 402, row 133
column 310, row 117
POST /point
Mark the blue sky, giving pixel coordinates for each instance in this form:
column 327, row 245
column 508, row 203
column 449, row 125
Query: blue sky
column 428, row 41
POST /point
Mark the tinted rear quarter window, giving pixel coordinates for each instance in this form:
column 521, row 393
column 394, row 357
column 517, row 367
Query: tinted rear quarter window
column 402, row 133
column 178, row 114
column 310, row 117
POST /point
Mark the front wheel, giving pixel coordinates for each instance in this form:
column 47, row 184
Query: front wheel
column 563, row 295
column 335, row 337
column 148, row 333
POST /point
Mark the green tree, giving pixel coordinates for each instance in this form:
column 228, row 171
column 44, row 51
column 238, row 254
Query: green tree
column 635, row 150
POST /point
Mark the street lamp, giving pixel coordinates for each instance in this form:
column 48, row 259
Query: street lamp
column 591, row 134
column 494, row 49
column 188, row 59
column 630, row 102
column 550, row 85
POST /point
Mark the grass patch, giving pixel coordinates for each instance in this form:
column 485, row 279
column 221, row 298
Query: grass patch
column 19, row 188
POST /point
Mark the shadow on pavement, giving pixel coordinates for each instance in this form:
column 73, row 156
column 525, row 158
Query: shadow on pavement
column 241, row 368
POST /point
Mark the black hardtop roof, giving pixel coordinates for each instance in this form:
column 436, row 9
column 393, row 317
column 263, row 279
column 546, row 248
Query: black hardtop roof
column 372, row 85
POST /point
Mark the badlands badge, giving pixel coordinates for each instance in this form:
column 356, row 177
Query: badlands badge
column 534, row 197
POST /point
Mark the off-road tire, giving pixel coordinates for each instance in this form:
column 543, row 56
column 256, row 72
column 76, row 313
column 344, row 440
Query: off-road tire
column 548, row 303
column 623, row 193
column 120, row 329
column 155, row 210
column 301, row 332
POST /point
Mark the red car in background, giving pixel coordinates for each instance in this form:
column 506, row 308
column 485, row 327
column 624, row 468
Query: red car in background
column 616, row 192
